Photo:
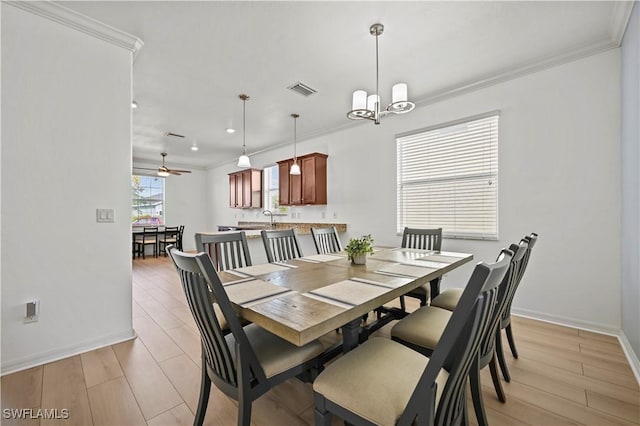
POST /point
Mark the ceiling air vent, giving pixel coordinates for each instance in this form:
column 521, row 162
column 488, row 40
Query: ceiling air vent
column 175, row 135
column 302, row 88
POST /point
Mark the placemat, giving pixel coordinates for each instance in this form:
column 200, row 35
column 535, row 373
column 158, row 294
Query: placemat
column 322, row 257
column 250, row 291
column 406, row 270
column 350, row 292
column 261, row 269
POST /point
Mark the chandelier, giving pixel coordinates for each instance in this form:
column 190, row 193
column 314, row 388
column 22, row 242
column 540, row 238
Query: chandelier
column 368, row 107
column 244, row 161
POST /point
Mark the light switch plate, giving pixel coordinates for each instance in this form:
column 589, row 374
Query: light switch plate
column 105, row 216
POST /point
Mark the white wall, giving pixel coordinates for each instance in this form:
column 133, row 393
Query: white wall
column 66, row 150
column 630, row 147
column 559, row 176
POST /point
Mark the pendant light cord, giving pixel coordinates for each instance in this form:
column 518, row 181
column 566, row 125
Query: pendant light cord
column 377, row 106
column 244, row 127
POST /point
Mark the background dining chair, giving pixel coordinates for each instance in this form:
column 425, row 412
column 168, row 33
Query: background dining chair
column 422, row 330
column 180, row 235
column 326, row 240
column 227, row 251
column 417, row 390
column 426, row 239
column 148, row 237
column 167, row 238
column 245, row 363
column 281, row 245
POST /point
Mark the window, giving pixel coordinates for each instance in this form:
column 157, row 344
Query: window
column 147, row 200
column 271, row 190
column 448, row 178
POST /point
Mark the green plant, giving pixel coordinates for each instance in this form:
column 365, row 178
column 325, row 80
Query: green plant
column 358, row 246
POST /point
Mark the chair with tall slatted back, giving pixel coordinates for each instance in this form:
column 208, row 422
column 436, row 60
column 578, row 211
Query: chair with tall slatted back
column 245, row 363
column 423, row 329
column 281, row 245
column 227, row 251
column 326, row 240
column 385, row 382
column 426, row 239
column 505, row 323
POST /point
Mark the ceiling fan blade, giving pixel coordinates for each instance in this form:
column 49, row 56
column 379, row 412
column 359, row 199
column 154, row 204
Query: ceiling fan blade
column 144, row 168
column 174, row 172
column 181, row 171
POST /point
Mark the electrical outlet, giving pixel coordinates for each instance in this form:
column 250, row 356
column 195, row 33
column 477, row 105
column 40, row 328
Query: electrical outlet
column 335, row 215
column 324, row 215
column 105, row 215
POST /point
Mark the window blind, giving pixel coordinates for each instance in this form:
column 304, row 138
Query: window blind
column 448, row 178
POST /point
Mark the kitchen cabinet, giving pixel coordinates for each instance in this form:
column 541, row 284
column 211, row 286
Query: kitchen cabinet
column 309, row 187
column 245, row 189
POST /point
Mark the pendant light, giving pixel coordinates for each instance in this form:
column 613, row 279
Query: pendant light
column 295, row 168
column 244, row 161
column 368, row 107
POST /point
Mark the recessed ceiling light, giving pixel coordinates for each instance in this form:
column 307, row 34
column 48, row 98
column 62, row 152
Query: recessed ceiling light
column 194, row 146
column 230, row 130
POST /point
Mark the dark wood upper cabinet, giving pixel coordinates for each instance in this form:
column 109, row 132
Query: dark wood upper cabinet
column 245, row 189
column 310, row 187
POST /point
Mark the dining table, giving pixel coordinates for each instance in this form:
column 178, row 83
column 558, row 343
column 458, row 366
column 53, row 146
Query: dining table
column 302, row 299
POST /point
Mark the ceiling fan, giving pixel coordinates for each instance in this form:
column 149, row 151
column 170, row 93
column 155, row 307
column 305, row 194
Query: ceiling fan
column 163, row 170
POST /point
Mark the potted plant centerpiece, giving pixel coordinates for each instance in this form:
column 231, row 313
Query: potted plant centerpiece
column 358, row 248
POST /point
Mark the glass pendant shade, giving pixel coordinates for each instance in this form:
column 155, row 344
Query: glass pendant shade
column 359, row 100
column 295, row 169
column 371, row 102
column 244, row 161
column 399, row 93
column 163, row 173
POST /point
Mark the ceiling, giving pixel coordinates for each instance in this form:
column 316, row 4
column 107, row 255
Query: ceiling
column 199, row 56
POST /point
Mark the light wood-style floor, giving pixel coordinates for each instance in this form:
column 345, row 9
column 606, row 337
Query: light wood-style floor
column 564, row 376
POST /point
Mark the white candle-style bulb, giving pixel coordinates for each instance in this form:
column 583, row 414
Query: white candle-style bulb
column 371, row 102
column 295, row 169
column 399, row 93
column 359, row 100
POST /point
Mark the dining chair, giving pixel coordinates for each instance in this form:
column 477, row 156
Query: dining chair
column 426, row 239
column 422, row 330
column 281, row 245
column 180, row 235
column 148, row 237
column 245, row 363
column 326, row 240
column 505, row 322
column 169, row 237
column 227, row 251
column 384, row 382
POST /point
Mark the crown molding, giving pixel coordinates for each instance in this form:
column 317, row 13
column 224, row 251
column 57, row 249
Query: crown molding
column 620, row 19
column 79, row 22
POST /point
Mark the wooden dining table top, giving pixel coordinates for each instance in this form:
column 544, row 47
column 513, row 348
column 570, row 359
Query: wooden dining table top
column 302, row 299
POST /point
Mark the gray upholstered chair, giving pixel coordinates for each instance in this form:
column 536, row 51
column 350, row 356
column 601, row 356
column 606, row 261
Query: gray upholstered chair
column 326, row 240
column 424, row 328
column 227, row 251
column 281, row 245
column 245, row 363
column 426, row 239
column 384, row 382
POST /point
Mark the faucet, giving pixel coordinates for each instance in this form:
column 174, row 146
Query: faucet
column 270, row 213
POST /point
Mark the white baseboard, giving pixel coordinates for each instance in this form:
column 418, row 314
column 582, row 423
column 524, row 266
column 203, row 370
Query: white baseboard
column 568, row 322
column 47, row 357
column 632, row 357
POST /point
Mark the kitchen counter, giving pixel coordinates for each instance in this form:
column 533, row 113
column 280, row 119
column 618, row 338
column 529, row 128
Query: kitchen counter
column 252, row 229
